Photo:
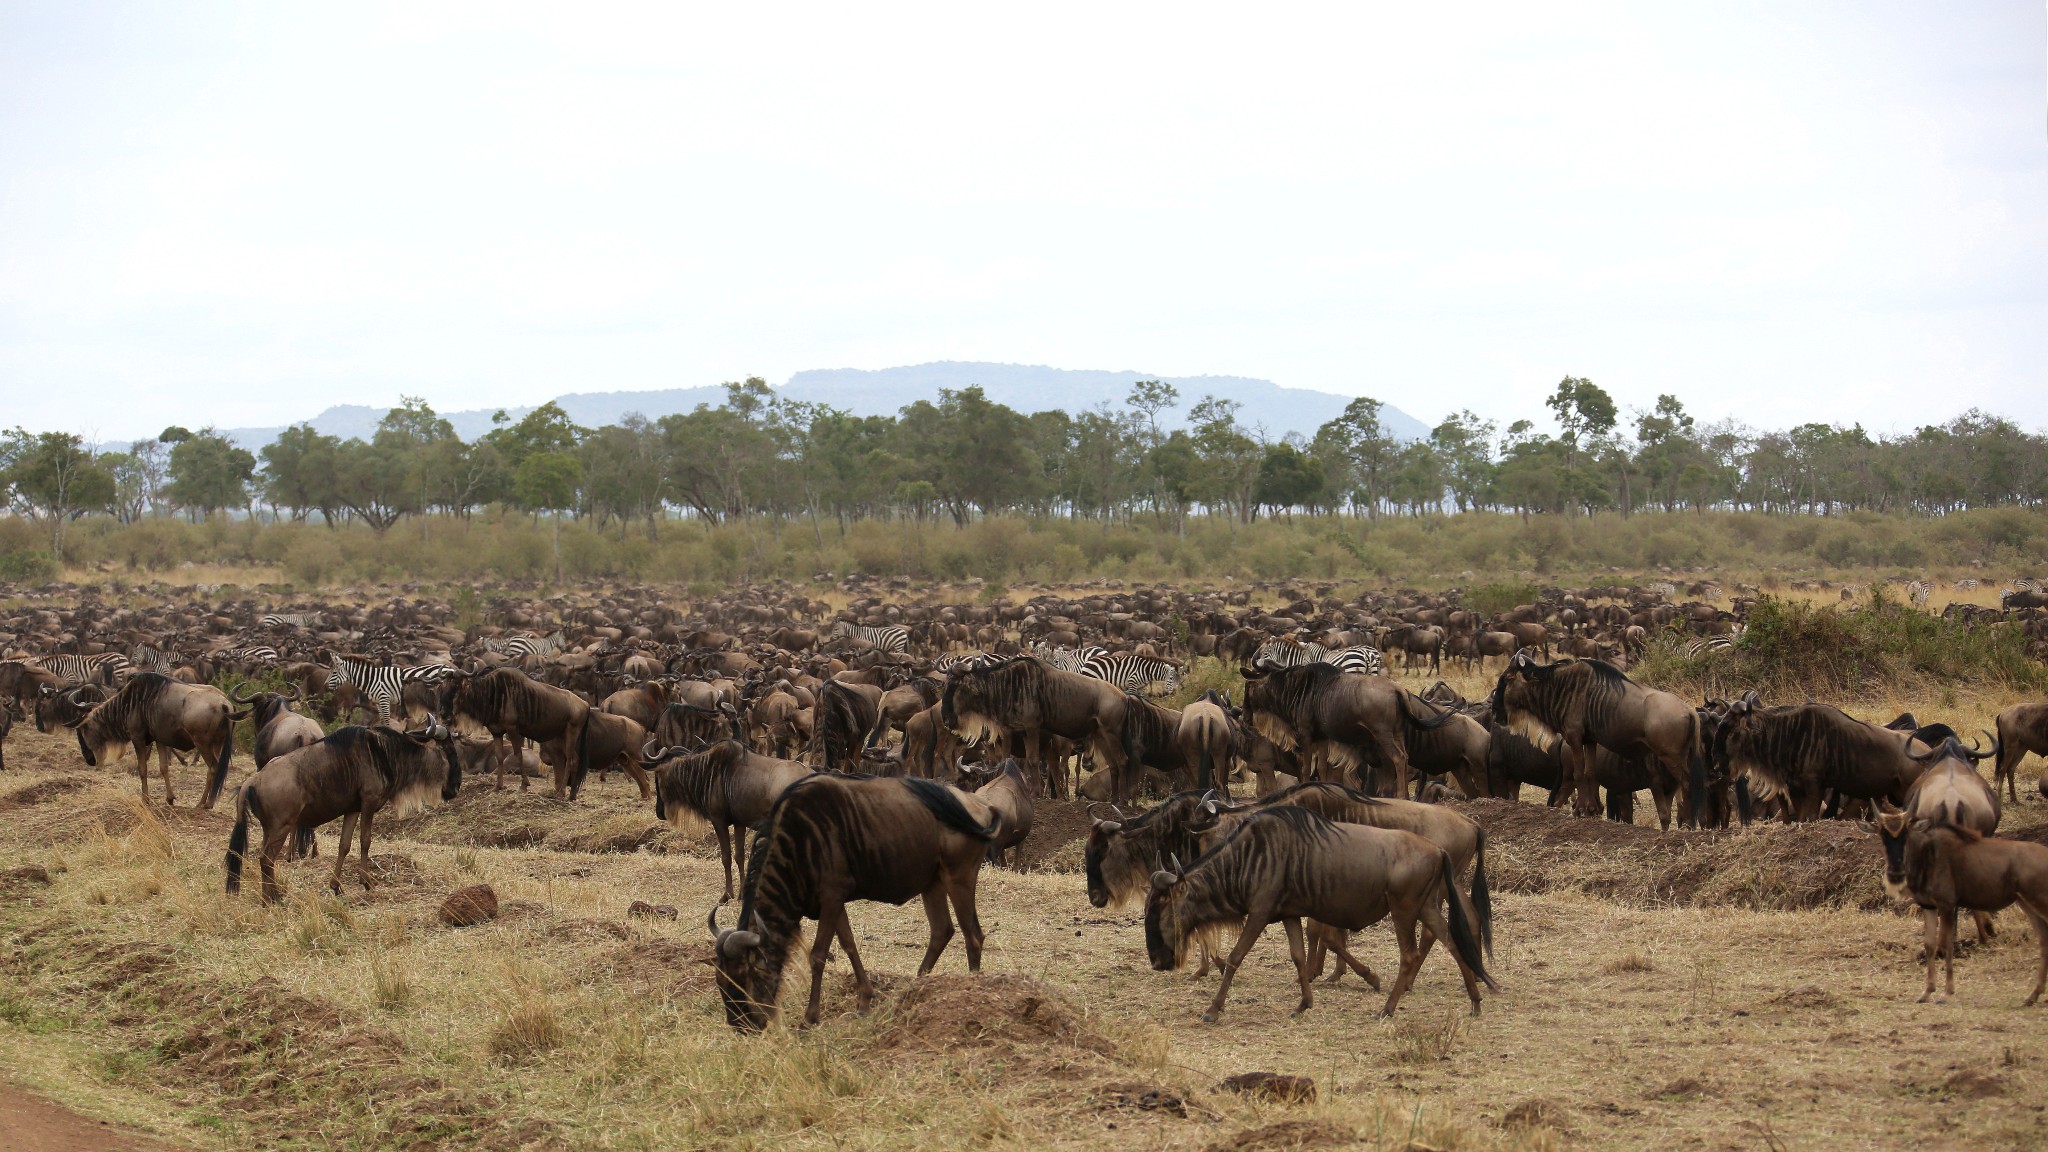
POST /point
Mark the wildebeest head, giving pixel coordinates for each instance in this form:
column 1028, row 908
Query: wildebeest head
column 1163, row 937
column 268, row 706
column 1123, row 851
column 748, row 978
column 1892, row 826
column 967, row 706
column 67, row 708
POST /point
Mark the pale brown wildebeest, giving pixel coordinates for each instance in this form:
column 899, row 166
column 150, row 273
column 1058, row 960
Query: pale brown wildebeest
column 1318, row 711
column 354, row 774
column 1586, row 702
column 2022, row 728
column 1206, row 738
column 1029, row 698
column 1943, row 868
column 725, row 784
column 832, row 840
column 154, row 711
column 1008, row 789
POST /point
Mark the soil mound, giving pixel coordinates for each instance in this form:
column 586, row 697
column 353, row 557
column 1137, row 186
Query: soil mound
column 1058, row 829
column 1288, row 1135
column 1772, row 867
column 952, row 1012
column 43, row 790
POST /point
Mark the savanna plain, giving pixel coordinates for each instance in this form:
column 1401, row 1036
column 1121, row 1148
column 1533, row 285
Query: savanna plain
column 1749, row 988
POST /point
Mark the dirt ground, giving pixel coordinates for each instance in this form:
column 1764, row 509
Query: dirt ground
column 1635, row 1012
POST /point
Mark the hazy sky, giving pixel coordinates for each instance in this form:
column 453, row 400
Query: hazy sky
column 1782, row 211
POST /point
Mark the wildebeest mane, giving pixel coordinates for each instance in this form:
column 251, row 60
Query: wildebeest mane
column 945, row 806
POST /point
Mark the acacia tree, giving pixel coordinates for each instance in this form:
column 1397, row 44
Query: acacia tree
column 55, row 478
column 210, row 473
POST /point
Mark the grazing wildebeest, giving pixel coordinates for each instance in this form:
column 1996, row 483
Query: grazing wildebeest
column 692, row 726
column 1008, row 789
column 899, row 704
column 831, row 840
column 513, row 708
column 153, row 710
column 1802, row 753
column 67, row 707
column 1512, row 761
column 2022, row 728
column 354, row 774
column 1287, row 863
column 613, row 741
column 1028, row 698
column 726, row 784
column 1943, row 868
column 1317, row 709
column 1587, row 702
column 846, row 713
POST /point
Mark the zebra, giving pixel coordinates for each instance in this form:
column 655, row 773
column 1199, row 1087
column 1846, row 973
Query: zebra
column 967, row 661
column 888, row 638
column 1132, row 672
column 1920, row 590
column 247, row 654
column 383, row 685
column 1695, row 649
column 1288, row 654
column 1362, row 659
column 149, row 659
column 519, row 647
column 1967, row 584
column 1068, row 659
column 106, row 669
column 290, row 620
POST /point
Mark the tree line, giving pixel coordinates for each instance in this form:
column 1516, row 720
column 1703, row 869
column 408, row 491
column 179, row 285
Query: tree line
column 961, row 456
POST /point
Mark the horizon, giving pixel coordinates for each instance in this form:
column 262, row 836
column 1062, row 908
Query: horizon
column 239, row 216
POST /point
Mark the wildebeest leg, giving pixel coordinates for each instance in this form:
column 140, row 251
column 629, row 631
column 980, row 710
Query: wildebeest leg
column 1930, row 940
column 725, row 854
column 863, row 989
column 1338, row 942
column 1411, row 957
column 1985, row 928
column 1948, row 954
column 2038, row 917
column 1661, row 793
column 1254, row 923
column 348, row 831
column 274, row 841
column 1297, row 950
column 1434, row 922
column 961, row 888
column 830, row 913
column 941, row 923
column 640, row 777
column 1578, row 765
column 363, row 865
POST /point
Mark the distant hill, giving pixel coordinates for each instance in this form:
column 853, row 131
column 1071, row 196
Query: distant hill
column 881, row 392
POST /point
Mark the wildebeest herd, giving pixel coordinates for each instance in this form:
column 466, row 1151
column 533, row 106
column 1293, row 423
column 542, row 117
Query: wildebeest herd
column 885, row 749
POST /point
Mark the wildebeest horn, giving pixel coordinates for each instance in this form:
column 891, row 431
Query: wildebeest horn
column 293, row 692
column 1110, row 827
column 711, row 921
column 1976, row 755
column 236, row 693
column 1162, row 880
column 1173, row 859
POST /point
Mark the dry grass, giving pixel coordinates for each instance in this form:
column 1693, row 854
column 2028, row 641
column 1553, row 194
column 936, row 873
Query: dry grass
column 132, row 980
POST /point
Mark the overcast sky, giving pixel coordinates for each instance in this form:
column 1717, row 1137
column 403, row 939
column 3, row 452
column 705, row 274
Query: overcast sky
column 1781, row 211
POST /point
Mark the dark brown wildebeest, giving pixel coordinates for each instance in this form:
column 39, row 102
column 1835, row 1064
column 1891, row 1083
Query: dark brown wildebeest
column 1502, row 644
column 67, row 707
column 1803, row 752
column 23, row 683
column 153, row 710
column 1512, row 761
column 354, row 774
column 1289, row 864
column 1028, row 698
column 1317, row 711
column 6, row 727
column 1439, row 741
column 1943, row 868
column 1949, row 791
column 725, row 784
column 846, row 713
column 613, row 741
column 515, row 709
column 278, row 729
column 691, row 727
column 642, row 702
column 832, row 840
column 899, row 704
column 1152, row 741
column 2022, row 728
column 1412, row 641
column 1008, row 789
column 1206, row 739
column 1586, row 702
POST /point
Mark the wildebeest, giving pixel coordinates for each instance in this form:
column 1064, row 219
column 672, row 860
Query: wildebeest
column 613, row 741
column 353, row 774
column 278, row 729
column 846, row 713
column 1287, row 863
column 1805, row 752
column 1586, row 702
column 831, row 840
column 67, row 707
column 513, row 708
column 1008, row 789
column 1206, row 739
column 1943, row 868
column 153, row 710
column 6, row 727
column 1316, row 708
column 725, row 784
column 1027, row 697
column 1949, row 791
column 2022, row 728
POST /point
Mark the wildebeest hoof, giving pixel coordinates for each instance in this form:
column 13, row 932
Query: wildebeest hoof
column 1208, row 1017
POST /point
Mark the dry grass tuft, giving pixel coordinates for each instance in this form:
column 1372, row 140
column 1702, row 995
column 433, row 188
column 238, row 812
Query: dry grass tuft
column 530, row 1026
column 389, row 988
column 1427, row 1038
column 1629, row 961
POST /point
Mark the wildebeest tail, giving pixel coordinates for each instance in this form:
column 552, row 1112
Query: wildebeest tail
column 238, row 840
column 218, row 778
column 1462, row 939
column 943, row 804
column 1482, row 896
column 582, row 758
column 1205, row 769
column 1742, row 804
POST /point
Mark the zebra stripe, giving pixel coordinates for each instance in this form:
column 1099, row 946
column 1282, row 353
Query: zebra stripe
column 105, row 668
column 1133, row 673
column 1920, row 590
column 148, row 659
column 1705, row 644
column 1068, row 659
column 1362, row 659
column 544, row 647
column 383, row 685
column 1286, row 654
column 890, row 638
column 290, row 620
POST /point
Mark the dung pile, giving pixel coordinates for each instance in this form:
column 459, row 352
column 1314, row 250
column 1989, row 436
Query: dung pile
column 1770, row 867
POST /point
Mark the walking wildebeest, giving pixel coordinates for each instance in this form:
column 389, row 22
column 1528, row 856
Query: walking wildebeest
column 831, row 840
column 1031, row 699
column 2022, row 728
column 1943, row 868
column 1316, row 708
column 354, row 774
column 1287, row 863
column 1586, row 702
column 153, row 710
column 726, row 784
